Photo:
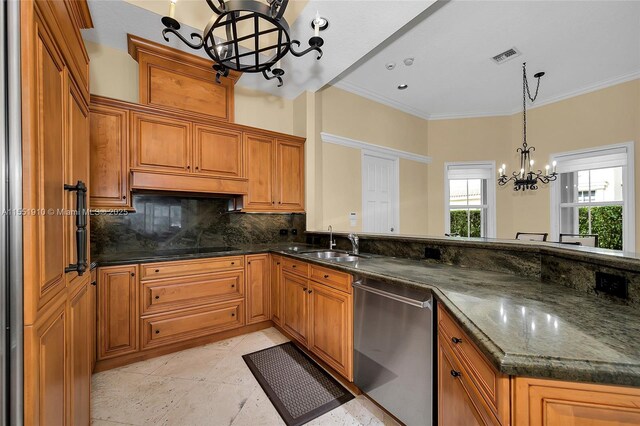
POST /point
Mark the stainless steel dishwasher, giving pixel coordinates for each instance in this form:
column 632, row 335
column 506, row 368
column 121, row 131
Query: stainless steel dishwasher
column 393, row 348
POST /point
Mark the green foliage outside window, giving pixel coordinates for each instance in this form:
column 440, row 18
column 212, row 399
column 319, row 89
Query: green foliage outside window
column 459, row 223
column 606, row 222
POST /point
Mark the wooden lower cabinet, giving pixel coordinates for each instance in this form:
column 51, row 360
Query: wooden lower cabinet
column 258, row 292
column 276, row 289
column 117, row 311
column 295, row 307
column 331, row 327
column 549, row 402
column 456, row 402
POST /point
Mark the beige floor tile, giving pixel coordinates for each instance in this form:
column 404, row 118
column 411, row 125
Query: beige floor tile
column 231, row 370
column 209, row 403
column 359, row 411
column 192, row 364
column 98, row 422
column 258, row 410
column 135, row 398
column 260, row 340
column 227, row 344
column 148, row 366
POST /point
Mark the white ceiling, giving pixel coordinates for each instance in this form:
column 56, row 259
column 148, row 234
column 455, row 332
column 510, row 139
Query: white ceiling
column 356, row 27
column 581, row 45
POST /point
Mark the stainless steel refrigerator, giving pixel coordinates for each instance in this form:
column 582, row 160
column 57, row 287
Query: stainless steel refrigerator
column 11, row 327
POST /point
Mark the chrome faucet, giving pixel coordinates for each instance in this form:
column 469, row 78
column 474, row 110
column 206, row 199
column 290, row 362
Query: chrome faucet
column 332, row 242
column 355, row 243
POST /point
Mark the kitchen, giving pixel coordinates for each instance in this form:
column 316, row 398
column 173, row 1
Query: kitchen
column 246, row 212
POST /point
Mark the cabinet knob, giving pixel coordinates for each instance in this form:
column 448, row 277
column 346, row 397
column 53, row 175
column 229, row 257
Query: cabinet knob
column 277, row 263
column 279, row 202
column 248, row 263
column 233, row 314
column 293, row 266
column 310, row 291
column 233, row 263
column 273, row 202
column 157, row 297
column 157, row 270
column 94, row 283
column 233, row 286
column 188, row 167
column 124, row 197
column 197, row 168
column 456, row 340
column 157, row 331
column 133, row 274
column 326, row 276
column 455, row 373
column 304, row 289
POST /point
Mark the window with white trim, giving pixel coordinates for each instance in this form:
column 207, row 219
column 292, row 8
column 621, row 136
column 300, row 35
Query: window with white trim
column 594, row 196
column 470, row 199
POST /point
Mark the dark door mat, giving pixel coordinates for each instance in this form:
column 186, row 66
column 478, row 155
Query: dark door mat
column 298, row 388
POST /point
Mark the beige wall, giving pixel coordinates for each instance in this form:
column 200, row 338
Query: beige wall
column 603, row 117
column 348, row 115
column 114, row 74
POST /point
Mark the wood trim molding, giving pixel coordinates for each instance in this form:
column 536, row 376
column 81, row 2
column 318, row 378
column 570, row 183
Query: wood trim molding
column 352, row 143
column 195, row 118
column 81, row 13
column 137, row 45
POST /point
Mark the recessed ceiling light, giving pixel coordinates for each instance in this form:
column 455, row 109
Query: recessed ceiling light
column 408, row 61
column 390, row 65
column 402, row 86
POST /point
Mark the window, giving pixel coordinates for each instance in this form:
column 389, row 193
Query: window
column 594, row 196
column 470, row 199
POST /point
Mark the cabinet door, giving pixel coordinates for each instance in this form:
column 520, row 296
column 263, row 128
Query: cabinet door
column 276, row 290
column 80, row 356
column 330, row 324
column 290, row 175
column 295, row 309
column 258, row 291
column 77, row 169
column 160, row 143
column 46, row 371
column 93, row 316
column 109, row 157
column 218, row 152
column 455, row 404
column 260, row 162
column 117, row 311
column 44, row 178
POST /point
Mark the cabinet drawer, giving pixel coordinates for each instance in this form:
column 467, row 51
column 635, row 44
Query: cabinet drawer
column 190, row 267
column 175, row 293
column 332, row 278
column 175, row 327
column 488, row 382
column 295, row 266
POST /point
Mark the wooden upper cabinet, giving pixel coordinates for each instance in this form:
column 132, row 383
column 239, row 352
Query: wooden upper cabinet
column 260, row 161
column 118, row 311
column 160, row 143
column 258, row 291
column 290, row 175
column 217, row 152
column 174, row 80
column 331, row 327
column 109, row 136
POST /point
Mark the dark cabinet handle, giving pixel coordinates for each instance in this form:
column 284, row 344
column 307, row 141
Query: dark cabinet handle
column 197, row 168
column 80, row 188
column 233, row 286
column 157, row 270
column 157, row 331
column 304, row 289
column 157, row 297
column 310, row 291
column 188, row 167
column 133, row 274
column 124, row 197
column 94, row 283
column 456, row 340
column 277, row 263
column 273, row 202
column 233, row 314
column 279, row 202
column 293, row 266
column 233, row 263
column 455, row 373
column 248, row 263
column 326, row 276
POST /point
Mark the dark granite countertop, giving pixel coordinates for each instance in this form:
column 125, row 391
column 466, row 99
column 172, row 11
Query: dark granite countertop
column 525, row 327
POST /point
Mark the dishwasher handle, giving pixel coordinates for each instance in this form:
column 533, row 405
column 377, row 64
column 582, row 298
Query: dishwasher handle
column 389, row 295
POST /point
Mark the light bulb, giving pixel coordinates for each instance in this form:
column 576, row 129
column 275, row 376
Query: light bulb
column 504, row 167
column 531, row 163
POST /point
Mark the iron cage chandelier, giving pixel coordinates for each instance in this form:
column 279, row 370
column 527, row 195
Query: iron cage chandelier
column 264, row 19
column 527, row 177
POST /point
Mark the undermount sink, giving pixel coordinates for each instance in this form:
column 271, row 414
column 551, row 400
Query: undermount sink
column 346, row 258
column 329, row 254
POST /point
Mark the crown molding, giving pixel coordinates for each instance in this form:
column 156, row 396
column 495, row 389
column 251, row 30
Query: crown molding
column 365, row 93
column 349, row 87
column 352, row 143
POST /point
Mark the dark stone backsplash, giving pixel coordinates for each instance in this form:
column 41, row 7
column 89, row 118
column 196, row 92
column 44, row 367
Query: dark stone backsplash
column 174, row 222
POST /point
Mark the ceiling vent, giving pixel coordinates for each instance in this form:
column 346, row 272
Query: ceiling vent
column 505, row 56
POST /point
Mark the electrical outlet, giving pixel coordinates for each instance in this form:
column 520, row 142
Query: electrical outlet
column 294, row 231
column 284, row 232
column 614, row 285
column 432, row 253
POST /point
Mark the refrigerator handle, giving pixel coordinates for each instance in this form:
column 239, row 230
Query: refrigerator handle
column 81, row 228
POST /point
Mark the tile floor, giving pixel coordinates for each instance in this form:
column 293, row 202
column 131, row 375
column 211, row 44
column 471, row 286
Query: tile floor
column 208, row 385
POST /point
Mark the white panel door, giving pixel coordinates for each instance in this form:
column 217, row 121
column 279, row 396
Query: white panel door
column 379, row 194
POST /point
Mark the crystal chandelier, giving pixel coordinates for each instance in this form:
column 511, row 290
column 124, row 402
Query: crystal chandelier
column 261, row 26
column 527, row 177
